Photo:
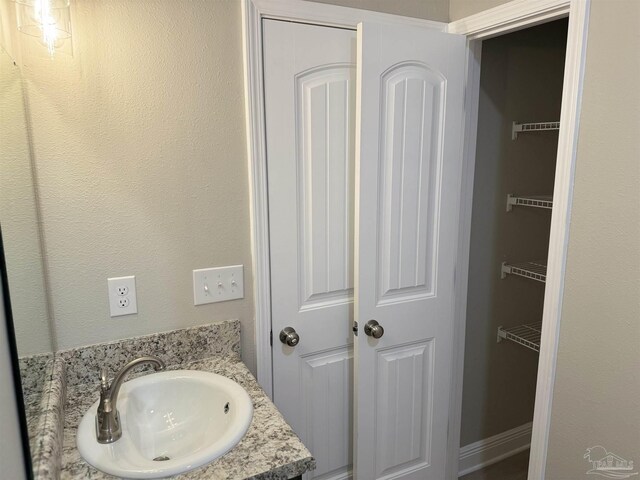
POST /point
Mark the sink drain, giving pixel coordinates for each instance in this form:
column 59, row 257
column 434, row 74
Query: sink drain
column 161, row 458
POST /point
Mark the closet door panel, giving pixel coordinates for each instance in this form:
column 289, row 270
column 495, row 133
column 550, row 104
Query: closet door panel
column 404, row 392
column 410, row 161
column 310, row 103
column 408, row 165
column 324, row 138
column 327, row 398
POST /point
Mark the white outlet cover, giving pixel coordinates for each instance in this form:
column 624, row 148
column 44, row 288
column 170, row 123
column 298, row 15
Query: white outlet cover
column 211, row 285
column 122, row 296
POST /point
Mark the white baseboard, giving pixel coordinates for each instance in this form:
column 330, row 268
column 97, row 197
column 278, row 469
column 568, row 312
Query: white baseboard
column 493, row 449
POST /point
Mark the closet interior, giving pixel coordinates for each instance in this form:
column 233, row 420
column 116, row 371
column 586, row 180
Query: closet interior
column 518, row 121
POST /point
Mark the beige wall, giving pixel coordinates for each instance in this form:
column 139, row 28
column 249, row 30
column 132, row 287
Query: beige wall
column 139, row 142
column 597, row 391
column 430, row 9
column 463, row 8
column 18, row 217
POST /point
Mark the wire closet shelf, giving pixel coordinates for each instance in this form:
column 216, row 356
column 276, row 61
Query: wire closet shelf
column 517, row 128
column 536, row 201
column 527, row 335
column 536, row 270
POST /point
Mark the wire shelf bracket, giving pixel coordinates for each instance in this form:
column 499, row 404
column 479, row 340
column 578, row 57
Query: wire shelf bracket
column 517, row 128
column 527, row 335
column 533, row 270
column 537, row 201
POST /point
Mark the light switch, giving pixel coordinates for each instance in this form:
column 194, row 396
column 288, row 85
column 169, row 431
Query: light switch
column 218, row 284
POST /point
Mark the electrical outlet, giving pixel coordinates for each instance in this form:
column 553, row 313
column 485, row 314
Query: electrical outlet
column 220, row 284
column 122, row 296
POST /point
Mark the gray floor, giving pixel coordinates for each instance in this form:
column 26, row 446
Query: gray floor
column 512, row 468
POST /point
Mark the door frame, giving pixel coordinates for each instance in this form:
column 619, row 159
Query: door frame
column 500, row 20
column 509, row 17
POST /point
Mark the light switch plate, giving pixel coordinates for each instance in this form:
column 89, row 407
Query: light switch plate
column 219, row 284
column 122, row 295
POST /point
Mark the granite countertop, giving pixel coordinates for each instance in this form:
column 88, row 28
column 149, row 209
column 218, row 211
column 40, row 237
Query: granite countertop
column 43, row 384
column 269, row 450
column 35, row 372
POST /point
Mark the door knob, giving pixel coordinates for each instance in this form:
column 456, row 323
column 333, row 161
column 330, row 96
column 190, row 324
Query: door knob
column 373, row 329
column 288, row 336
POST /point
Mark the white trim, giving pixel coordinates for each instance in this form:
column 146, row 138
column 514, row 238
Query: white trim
column 472, row 91
column 491, row 450
column 506, row 18
column 259, row 213
column 559, row 238
column 253, row 11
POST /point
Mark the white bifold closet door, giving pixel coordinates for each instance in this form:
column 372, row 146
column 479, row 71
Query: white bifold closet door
column 408, row 175
column 310, row 76
column 400, row 192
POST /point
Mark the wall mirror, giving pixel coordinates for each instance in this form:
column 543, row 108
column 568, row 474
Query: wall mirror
column 19, row 221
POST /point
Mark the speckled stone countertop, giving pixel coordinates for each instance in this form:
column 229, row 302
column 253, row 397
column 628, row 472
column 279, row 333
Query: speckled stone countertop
column 269, row 450
column 35, row 371
column 43, row 385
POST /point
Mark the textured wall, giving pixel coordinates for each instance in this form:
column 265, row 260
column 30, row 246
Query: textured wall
column 463, row 8
column 521, row 80
column 430, row 9
column 19, row 219
column 597, row 392
column 8, row 33
column 139, row 142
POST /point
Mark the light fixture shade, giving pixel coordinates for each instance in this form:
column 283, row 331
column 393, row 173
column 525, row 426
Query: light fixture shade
column 49, row 21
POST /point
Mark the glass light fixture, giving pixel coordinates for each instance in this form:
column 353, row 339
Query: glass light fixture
column 49, row 21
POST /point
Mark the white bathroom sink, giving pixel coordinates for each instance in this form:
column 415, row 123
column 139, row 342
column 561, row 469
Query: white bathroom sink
column 172, row 422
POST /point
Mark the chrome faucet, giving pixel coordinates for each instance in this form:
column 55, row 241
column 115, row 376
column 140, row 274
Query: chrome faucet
column 108, row 427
